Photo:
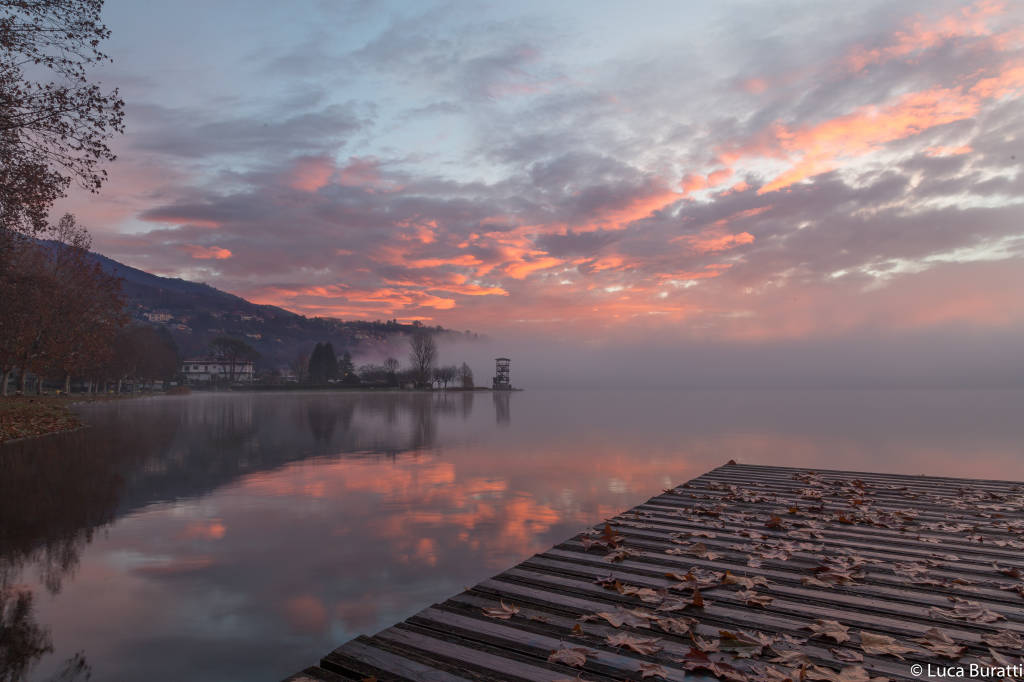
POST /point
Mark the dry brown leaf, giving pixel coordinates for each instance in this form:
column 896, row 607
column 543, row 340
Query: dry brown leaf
column 791, row 657
column 743, row 581
column 675, row 626
column 964, row 609
column 752, row 598
column 698, row 660
column 620, row 617
column 880, row 645
column 829, row 628
column 1012, row 571
column 644, row 593
column 704, row 645
column 577, row 630
column 573, row 656
column 505, row 611
column 808, row 581
column 941, row 644
column 1004, row 639
column 851, row 673
column 651, row 670
column 642, row 645
column 742, row 644
column 620, row 554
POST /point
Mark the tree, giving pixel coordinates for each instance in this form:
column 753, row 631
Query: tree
column 347, row 370
column 465, row 376
column 446, row 375
column 323, row 364
column 422, row 353
column 300, row 366
column 60, row 310
column 391, row 367
column 56, row 132
column 86, row 309
column 232, row 352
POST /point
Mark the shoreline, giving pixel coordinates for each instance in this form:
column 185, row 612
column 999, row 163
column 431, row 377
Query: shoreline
column 23, row 417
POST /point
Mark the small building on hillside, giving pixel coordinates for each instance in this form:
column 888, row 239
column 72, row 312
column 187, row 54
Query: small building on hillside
column 212, row 370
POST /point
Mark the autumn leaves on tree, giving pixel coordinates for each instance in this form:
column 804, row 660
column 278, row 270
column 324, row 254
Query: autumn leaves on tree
column 60, row 312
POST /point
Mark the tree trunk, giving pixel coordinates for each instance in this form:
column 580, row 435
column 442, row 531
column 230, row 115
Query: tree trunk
column 67, row 382
column 3, row 382
column 22, row 380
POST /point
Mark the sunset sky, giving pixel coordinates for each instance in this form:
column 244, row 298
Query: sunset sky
column 728, row 171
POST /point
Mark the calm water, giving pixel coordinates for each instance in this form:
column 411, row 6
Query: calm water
column 240, row 537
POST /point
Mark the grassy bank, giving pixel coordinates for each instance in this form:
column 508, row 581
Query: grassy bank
column 27, row 416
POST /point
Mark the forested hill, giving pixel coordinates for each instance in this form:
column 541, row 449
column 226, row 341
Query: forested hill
column 196, row 313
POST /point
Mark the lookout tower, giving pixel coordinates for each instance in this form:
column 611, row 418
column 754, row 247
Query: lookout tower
column 501, row 381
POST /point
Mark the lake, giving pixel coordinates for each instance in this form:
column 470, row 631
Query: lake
column 242, row 536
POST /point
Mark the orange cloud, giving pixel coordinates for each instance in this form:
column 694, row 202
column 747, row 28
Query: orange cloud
column 206, row 252
column 715, row 239
column 693, row 182
column 921, row 35
column 948, row 151
column 818, row 148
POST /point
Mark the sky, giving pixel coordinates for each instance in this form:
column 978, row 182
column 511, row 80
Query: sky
column 716, row 174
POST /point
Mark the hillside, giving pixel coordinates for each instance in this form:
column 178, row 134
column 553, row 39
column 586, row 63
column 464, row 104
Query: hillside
column 195, row 313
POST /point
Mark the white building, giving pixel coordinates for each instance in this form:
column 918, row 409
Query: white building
column 209, row 370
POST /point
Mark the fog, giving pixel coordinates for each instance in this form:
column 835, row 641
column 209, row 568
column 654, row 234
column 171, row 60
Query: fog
column 940, row 358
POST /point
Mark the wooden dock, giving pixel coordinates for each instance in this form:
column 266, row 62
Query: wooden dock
column 745, row 573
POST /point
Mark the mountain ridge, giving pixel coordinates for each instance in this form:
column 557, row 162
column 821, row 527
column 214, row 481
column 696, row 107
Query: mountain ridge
column 195, row 313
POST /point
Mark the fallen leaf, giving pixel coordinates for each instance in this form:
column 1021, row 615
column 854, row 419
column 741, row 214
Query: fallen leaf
column 752, row 598
column 808, row 581
column 742, row 644
column 1004, row 639
column 504, row 611
column 1012, row 572
column 675, row 626
column 964, row 609
column 641, row 645
column 941, row 644
column 851, row 673
column 620, row 617
column 829, row 628
column 792, row 657
column 651, row 670
column 743, row 581
column 574, row 656
column 577, row 630
column 619, row 555
column 881, row 645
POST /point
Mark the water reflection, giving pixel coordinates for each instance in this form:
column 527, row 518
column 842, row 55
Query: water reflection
column 502, row 407
column 242, row 536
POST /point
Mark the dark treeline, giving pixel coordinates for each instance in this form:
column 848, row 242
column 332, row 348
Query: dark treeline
column 323, row 366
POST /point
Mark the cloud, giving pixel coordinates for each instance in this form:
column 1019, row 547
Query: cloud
column 513, row 169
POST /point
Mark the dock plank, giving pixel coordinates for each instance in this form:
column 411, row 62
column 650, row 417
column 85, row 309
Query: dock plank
column 901, row 555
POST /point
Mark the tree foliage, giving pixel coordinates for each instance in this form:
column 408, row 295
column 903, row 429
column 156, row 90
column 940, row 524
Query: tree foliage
column 323, row 364
column 445, row 375
column 233, row 352
column 54, row 123
column 465, row 376
column 60, row 310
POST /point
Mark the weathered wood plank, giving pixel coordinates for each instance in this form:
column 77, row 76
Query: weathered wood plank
column 966, row 535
